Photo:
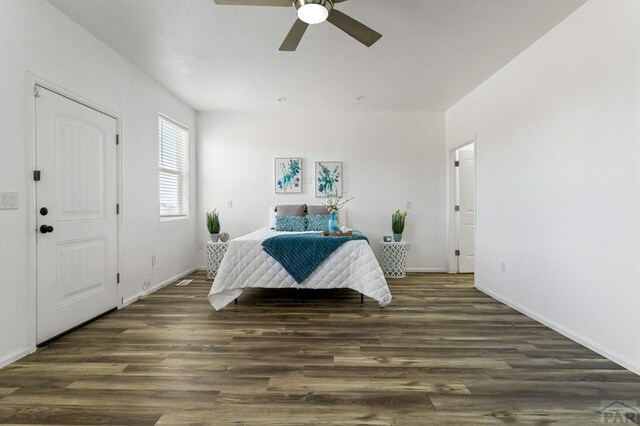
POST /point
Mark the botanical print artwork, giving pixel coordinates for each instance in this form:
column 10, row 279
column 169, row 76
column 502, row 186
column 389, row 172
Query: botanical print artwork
column 328, row 178
column 288, row 178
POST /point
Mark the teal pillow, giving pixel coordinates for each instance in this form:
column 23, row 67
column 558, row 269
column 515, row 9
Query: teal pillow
column 291, row 223
column 318, row 222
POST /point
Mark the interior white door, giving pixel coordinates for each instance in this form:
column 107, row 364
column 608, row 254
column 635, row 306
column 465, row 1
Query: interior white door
column 467, row 213
column 77, row 225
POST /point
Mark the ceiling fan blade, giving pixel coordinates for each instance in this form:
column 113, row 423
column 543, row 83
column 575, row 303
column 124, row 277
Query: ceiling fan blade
column 292, row 39
column 280, row 3
column 355, row 29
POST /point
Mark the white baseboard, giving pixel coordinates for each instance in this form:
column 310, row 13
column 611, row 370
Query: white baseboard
column 432, row 270
column 576, row 337
column 143, row 294
column 14, row 356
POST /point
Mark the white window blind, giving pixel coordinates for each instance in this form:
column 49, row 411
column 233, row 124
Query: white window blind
column 174, row 168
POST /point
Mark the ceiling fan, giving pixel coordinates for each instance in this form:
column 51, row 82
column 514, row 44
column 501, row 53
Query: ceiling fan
column 313, row 12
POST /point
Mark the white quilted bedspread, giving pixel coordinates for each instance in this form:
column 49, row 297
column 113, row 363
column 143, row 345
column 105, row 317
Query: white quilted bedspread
column 245, row 265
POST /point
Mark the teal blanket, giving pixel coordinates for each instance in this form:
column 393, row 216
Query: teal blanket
column 301, row 254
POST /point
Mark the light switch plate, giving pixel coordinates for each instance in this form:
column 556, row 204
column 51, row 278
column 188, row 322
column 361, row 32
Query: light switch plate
column 8, row 200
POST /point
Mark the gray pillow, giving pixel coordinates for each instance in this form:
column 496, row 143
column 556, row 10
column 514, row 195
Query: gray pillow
column 291, row 210
column 317, row 210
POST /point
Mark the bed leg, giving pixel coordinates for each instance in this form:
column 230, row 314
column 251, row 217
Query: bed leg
column 361, row 298
column 235, row 301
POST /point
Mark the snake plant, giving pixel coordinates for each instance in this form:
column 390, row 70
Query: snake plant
column 397, row 221
column 213, row 222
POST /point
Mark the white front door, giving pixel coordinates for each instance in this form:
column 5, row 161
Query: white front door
column 77, row 225
column 467, row 206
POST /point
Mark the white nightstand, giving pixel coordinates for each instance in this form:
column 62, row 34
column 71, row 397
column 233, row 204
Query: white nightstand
column 394, row 259
column 215, row 253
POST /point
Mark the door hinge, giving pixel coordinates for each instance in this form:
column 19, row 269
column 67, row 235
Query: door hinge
column 36, row 94
column 456, row 163
column 117, row 208
column 118, row 278
column 117, row 139
column 457, row 208
column 457, row 252
column 36, row 175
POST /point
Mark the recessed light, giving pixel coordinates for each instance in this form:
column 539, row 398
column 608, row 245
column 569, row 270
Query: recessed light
column 282, row 99
column 360, row 98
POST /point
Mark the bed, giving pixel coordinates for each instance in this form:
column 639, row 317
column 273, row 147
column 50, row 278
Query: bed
column 246, row 265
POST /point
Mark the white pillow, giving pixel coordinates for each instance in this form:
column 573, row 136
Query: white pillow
column 342, row 216
column 272, row 218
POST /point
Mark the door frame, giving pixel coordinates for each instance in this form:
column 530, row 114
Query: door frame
column 452, row 230
column 32, row 284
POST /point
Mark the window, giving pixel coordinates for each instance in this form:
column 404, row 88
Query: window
column 174, row 168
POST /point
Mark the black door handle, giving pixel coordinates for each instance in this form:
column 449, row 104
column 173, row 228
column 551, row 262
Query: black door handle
column 45, row 229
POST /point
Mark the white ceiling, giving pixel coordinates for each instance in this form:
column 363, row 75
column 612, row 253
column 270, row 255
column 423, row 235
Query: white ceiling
column 432, row 53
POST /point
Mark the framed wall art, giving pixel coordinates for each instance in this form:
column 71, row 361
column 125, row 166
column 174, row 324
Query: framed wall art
column 328, row 178
column 288, row 175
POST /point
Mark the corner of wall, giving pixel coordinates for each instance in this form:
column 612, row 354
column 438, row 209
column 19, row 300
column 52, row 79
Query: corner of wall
column 614, row 356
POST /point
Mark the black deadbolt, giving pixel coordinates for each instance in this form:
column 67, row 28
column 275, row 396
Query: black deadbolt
column 44, row 211
column 45, row 229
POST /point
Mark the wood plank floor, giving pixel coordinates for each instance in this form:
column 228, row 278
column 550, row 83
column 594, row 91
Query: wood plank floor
column 441, row 353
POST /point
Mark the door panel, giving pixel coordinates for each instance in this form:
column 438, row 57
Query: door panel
column 77, row 261
column 81, row 190
column 467, row 216
column 81, row 266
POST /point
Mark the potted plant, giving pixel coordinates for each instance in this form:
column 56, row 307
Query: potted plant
column 213, row 225
column 397, row 224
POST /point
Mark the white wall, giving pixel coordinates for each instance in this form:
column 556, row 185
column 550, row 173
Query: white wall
column 389, row 159
column 558, row 178
column 36, row 37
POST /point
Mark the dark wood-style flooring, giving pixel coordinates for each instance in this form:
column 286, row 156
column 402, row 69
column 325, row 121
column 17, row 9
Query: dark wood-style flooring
column 441, row 353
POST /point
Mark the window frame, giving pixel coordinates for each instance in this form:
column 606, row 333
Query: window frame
column 182, row 174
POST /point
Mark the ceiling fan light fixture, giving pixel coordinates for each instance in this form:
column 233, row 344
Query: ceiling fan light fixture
column 313, row 11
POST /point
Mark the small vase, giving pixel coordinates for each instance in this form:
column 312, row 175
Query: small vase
column 214, row 237
column 397, row 237
column 333, row 222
